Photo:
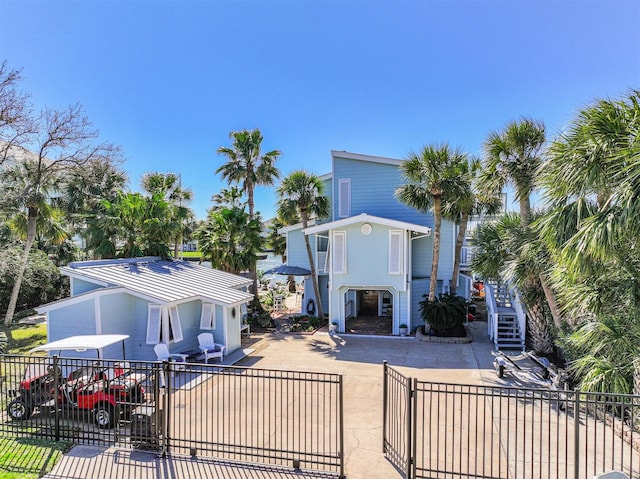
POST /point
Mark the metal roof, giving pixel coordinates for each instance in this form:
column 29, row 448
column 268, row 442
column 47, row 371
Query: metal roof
column 165, row 281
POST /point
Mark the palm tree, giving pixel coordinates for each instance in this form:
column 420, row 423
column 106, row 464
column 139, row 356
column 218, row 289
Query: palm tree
column 467, row 202
column 302, row 194
column 230, row 238
column 169, row 187
column 514, row 156
column 508, row 251
column 433, row 178
column 249, row 167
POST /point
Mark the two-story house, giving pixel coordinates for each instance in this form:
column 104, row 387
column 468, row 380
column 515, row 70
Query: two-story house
column 373, row 255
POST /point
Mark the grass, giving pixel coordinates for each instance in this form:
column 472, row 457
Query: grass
column 191, row 254
column 26, row 458
column 24, row 336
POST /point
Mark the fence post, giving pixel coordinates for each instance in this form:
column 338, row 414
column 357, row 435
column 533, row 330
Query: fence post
column 341, row 426
column 384, row 406
column 408, row 425
column 414, row 433
column 166, row 373
column 56, row 398
column 576, row 434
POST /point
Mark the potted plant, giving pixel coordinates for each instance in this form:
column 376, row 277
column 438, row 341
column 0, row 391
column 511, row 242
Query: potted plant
column 403, row 329
column 333, row 327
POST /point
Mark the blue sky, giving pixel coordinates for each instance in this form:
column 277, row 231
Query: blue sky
column 168, row 80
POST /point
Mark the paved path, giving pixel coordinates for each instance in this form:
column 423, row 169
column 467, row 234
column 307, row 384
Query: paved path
column 359, row 359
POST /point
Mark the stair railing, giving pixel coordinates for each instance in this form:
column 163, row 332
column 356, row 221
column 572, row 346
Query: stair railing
column 492, row 312
column 521, row 315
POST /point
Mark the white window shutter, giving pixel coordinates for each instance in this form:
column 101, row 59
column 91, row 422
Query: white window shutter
column 174, row 317
column 395, row 252
column 153, row 324
column 339, row 252
column 344, row 197
column 206, row 316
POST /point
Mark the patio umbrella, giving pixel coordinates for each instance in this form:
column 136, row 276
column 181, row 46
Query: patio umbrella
column 287, row 270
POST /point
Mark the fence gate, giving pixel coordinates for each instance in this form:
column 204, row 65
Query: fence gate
column 495, row 432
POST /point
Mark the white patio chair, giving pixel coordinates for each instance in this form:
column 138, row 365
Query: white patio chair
column 163, row 354
column 209, row 348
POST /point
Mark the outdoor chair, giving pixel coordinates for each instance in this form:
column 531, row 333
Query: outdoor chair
column 163, row 354
column 209, row 348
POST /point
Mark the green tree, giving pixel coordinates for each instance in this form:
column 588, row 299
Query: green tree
column 302, row 194
column 64, row 140
column 508, row 251
column 433, row 178
column 513, row 156
column 230, row 239
column 169, row 187
column 248, row 167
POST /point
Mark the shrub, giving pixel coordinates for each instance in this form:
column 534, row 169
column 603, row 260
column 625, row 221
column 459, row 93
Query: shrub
column 444, row 313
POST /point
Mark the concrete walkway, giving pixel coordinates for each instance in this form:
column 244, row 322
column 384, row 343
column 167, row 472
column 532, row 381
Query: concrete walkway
column 359, row 359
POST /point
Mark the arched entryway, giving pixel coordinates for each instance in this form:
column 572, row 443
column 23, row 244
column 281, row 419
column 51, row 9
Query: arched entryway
column 369, row 311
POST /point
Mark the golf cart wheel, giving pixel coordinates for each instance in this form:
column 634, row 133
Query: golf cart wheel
column 18, row 410
column 104, row 416
column 500, row 371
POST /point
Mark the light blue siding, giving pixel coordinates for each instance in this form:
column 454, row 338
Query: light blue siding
column 73, row 320
column 372, row 191
column 79, row 286
column 296, row 249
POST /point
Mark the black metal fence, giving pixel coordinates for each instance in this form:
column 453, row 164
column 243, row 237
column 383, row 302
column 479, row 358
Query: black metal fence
column 504, row 432
column 284, row 418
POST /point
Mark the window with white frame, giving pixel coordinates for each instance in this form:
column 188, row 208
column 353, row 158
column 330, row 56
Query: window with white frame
column 395, row 252
column 344, row 197
column 208, row 316
column 339, row 252
column 163, row 324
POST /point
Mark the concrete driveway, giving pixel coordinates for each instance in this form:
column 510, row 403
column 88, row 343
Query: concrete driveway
column 359, row 359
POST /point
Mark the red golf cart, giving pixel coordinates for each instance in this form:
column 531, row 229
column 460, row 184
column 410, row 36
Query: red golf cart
column 106, row 389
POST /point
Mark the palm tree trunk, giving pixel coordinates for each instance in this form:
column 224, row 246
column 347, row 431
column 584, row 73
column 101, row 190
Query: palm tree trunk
column 539, row 334
column 552, row 301
column 464, row 220
column 312, row 267
column 525, row 209
column 437, row 208
column 31, row 236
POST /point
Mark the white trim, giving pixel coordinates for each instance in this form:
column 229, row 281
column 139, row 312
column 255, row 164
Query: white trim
column 369, row 158
column 344, row 197
column 153, row 336
column 366, row 218
column 97, row 313
column 339, row 262
column 396, row 256
column 285, row 229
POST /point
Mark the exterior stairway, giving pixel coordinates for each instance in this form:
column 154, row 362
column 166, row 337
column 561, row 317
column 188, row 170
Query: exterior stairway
column 506, row 317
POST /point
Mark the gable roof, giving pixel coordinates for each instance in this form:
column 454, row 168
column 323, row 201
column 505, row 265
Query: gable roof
column 370, row 158
column 162, row 280
column 365, row 218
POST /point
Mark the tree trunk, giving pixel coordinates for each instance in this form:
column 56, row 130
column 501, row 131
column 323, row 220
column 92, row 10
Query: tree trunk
column 31, row 236
column 552, row 301
column 312, row 267
column 464, row 220
column 253, row 270
column 539, row 334
column 437, row 208
column 525, row 210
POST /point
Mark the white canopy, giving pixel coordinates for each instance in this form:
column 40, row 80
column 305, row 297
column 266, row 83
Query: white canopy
column 83, row 343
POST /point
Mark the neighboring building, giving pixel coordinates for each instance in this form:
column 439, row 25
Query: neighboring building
column 373, row 256
column 151, row 300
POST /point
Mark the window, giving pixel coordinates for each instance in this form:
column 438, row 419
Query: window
column 344, row 197
column 208, row 316
column 339, row 252
column 395, row 252
column 163, row 325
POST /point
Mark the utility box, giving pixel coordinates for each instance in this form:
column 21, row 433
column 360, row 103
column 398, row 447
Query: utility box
column 145, row 427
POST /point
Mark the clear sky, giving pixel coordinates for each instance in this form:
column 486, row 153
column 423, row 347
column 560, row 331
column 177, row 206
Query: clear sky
column 168, row 80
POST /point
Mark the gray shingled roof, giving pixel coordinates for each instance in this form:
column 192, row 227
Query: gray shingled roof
column 167, row 281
